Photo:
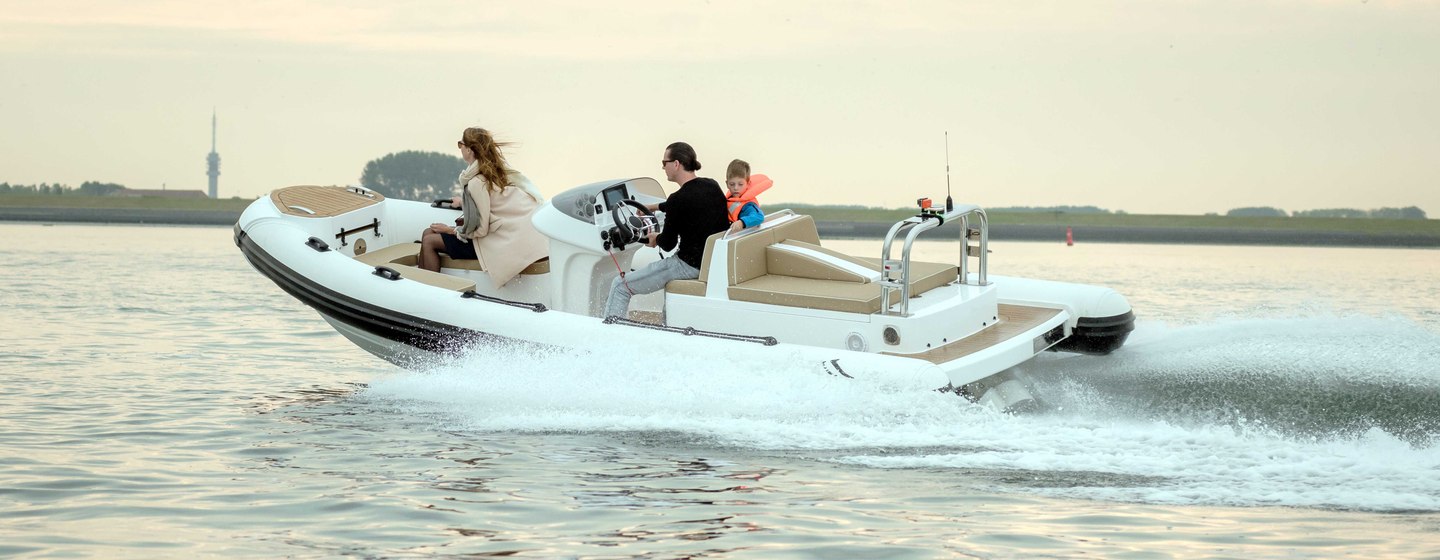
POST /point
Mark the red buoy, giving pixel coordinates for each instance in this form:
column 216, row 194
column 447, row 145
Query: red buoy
column 1069, row 237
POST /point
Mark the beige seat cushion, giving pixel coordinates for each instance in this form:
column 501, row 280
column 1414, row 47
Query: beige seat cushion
column 436, row 279
column 805, row 260
column 400, row 253
column 759, row 272
column 802, row 228
column 685, row 287
column 837, row 293
column 709, row 250
column 446, row 261
column 408, row 254
column 924, row 276
column 849, row 297
column 747, row 253
column 697, row 287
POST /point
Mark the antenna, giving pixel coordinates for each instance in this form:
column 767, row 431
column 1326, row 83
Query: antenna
column 949, row 202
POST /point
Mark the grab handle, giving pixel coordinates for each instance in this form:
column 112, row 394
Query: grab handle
column 386, row 273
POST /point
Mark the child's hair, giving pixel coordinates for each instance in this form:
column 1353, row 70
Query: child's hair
column 737, row 168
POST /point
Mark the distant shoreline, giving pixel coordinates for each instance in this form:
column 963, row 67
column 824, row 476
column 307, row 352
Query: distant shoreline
column 1162, row 235
column 119, row 216
column 836, row 229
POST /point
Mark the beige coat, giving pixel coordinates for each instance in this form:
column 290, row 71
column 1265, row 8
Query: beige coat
column 505, row 240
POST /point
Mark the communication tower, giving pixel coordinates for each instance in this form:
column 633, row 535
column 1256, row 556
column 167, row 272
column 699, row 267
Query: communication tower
column 214, row 161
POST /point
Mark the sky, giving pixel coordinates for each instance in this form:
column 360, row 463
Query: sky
column 1153, row 107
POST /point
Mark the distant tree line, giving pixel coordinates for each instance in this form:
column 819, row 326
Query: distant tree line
column 1054, row 210
column 800, row 205
column 88, row 188
column 1017, row 209
column 1406, row 213
column 413, row 175
column 1256, row 212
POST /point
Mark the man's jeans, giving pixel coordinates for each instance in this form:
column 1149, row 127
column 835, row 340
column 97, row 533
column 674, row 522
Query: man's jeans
column 652, row 278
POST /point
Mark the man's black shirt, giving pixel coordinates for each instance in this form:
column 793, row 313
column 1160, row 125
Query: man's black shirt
column 693, row 213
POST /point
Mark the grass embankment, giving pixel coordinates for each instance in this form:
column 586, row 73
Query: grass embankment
column 1361, row 225
column 844, row 214
column 145, row 202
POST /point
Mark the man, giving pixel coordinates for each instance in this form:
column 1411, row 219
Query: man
column 692, row 214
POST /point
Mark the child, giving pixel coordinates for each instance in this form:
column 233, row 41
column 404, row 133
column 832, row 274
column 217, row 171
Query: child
column 744, row 188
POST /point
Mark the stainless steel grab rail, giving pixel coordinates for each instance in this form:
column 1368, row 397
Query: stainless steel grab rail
column 913, row 227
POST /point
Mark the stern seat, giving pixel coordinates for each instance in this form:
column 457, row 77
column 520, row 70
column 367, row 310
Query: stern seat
column 785, row 265
column 402, row 257
column 408, row 254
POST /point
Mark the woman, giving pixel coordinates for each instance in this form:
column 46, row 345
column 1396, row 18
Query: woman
column 497, row 203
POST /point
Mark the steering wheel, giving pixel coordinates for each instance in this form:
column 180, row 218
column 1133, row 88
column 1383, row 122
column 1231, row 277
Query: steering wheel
column 633, row 222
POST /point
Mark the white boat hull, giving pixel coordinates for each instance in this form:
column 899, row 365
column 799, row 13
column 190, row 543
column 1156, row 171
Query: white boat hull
column 410, row 322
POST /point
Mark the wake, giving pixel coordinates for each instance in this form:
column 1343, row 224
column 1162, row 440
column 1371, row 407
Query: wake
column 1330, row 412
column 1309, row 378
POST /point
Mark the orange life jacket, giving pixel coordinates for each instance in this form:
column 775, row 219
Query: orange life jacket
column 755, row 185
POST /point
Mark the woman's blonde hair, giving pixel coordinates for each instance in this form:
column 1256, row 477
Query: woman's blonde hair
column 737, row 168
column 489, row 160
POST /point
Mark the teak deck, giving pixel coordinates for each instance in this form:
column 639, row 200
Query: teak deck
column 322, row 201
column 1014, row 319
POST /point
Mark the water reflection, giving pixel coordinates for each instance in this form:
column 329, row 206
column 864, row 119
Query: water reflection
column 631, row 486
column 303, row 399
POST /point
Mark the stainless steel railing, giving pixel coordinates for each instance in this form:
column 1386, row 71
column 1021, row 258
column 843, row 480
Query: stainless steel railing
column 895, row 275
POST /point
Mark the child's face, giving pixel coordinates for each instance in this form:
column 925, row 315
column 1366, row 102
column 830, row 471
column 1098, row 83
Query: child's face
column 736, row 184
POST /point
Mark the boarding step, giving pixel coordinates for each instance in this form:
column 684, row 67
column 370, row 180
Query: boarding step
column 1013, row 320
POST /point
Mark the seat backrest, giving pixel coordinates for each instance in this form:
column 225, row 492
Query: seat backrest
column 804, row 260
column 747, row 254
column 709, row 250
column 799, row 229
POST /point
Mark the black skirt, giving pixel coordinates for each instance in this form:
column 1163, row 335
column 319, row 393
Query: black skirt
column 457, row 248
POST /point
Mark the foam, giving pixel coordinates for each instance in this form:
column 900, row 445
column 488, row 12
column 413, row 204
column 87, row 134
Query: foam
column 722, row 397
column 1308, row 411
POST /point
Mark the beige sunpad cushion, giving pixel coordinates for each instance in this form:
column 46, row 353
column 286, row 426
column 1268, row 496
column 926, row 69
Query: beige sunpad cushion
column 805, row 260
column 924, row 276
column 849, row 297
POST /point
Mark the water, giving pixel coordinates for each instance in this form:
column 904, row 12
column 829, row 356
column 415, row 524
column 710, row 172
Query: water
column 160, row 398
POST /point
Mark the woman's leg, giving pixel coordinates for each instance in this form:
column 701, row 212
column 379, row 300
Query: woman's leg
column 430, row 247
column 420, row 258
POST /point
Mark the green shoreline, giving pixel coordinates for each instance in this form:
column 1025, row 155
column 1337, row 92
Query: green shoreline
column 852, row 222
